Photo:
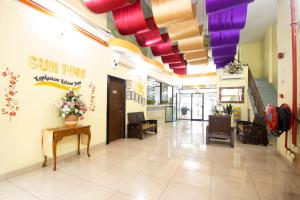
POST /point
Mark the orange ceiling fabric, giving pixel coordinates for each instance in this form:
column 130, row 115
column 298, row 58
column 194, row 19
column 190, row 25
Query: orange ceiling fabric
column 184, row 29
column 196, row 55
column 167, row 12
column 199, row 62
column 191, row 44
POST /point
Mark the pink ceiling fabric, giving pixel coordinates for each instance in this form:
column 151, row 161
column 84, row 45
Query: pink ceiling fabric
column 173, row 58
column 180, row 71
column 164, row 48
column 150, row 36
column 130, row 19
column 103, row 6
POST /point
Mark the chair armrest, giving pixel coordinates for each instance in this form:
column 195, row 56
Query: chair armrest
column 240, row 122
column 151, row 121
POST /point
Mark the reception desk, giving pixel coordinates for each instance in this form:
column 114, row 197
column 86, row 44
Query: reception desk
column 158, row 112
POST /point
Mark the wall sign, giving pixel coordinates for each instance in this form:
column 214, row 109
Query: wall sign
column 57, row 75
column 11, row 103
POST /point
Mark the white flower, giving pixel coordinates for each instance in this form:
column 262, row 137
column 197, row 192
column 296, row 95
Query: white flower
column 63, row 115
column 76, row 110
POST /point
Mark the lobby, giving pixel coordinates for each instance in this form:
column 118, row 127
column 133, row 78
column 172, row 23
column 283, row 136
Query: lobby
column 149, row 99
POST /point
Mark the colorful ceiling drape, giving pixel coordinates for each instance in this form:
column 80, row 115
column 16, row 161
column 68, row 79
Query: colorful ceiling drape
column 130, row 19
column 149, row 37
column 182, row 38
column 102, row 6
column 167, row 12
column 225, row 20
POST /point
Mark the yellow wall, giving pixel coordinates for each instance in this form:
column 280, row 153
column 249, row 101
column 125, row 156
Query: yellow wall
column 270, row 56
column 243, row 82
column 285, row 65
column 252, row 54
column 37, row 34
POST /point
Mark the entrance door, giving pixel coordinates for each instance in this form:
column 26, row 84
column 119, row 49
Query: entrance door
column 198, row 106
column 115, row 109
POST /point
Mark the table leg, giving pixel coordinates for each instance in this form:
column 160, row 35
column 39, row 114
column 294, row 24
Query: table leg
column 88, row 145
column 54, row 154
column 78, row 147
column 45, row 161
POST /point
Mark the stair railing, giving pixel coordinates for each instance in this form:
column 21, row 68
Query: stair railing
column 260, row 107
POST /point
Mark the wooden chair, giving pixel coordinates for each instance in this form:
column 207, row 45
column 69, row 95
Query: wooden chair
column 253, row 132
column 137, row 125
column 219, row 127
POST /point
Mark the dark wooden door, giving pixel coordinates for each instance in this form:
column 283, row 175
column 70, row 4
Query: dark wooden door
column 116, row 109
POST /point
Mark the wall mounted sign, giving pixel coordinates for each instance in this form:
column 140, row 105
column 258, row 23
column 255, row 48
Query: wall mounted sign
column 62, row 76
column 11, row 106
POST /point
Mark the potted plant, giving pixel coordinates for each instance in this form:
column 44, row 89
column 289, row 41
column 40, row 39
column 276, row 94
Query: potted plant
column 71, row 108
column 229, row 109
column 151, row 102
column 184, row 110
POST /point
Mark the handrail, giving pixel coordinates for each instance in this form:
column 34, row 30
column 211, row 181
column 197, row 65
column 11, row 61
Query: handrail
column 255, row 93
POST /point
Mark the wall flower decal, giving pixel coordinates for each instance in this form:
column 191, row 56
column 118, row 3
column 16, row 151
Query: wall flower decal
column 92, row 106
column 11, row 103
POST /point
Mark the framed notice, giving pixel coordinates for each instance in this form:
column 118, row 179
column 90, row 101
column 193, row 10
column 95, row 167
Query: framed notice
column 136, row 97
column 128, row 95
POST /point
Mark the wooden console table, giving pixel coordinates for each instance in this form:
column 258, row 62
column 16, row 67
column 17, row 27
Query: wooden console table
column 52, row 136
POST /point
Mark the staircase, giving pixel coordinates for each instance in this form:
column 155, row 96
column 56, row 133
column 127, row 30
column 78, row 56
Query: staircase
column 266, row 91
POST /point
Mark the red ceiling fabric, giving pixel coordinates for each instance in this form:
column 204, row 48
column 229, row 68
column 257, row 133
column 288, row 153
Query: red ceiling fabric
column 150, row 36
column 130, row 20
column 173, row 58
column 102, row 6
column 178, row 65
column 180, row 71
column 164, row 48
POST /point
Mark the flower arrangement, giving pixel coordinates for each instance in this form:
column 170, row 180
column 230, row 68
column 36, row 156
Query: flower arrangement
column 71, row 105
column 11, row 103
column 234, row 67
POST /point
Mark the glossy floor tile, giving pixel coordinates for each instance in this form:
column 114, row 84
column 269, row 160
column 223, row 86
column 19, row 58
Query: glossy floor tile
column 174, row 164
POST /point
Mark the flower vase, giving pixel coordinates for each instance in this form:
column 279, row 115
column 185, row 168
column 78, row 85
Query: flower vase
column 71, row 121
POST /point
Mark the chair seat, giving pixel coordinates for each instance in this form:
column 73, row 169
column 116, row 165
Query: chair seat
column 219, row 135
column 149, row 126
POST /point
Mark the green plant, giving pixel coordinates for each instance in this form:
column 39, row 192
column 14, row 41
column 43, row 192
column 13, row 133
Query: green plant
column 234, row 67
column 164, row 102
column 184, row 110
column 151, row 101
column 229, row 109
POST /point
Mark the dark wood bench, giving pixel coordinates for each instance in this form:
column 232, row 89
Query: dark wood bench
column 137, row 125
column 253, row 132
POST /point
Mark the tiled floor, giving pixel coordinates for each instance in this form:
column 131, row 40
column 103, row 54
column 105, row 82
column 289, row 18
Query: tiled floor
column 175, row 164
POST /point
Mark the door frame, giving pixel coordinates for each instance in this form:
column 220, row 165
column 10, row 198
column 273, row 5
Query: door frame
column 109, row 77
column 192, row 95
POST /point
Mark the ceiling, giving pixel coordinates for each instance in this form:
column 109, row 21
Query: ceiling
column 261, row 15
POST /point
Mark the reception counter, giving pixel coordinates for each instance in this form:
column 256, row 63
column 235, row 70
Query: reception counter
column 158, row 112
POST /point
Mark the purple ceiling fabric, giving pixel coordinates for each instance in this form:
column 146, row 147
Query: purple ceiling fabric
column 219, row 5
column 230, row 19
column 223, row 60
column 222, row 65
column 224, row 38
column 224, row 51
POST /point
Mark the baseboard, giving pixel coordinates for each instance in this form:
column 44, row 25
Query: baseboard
column 30, row 168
